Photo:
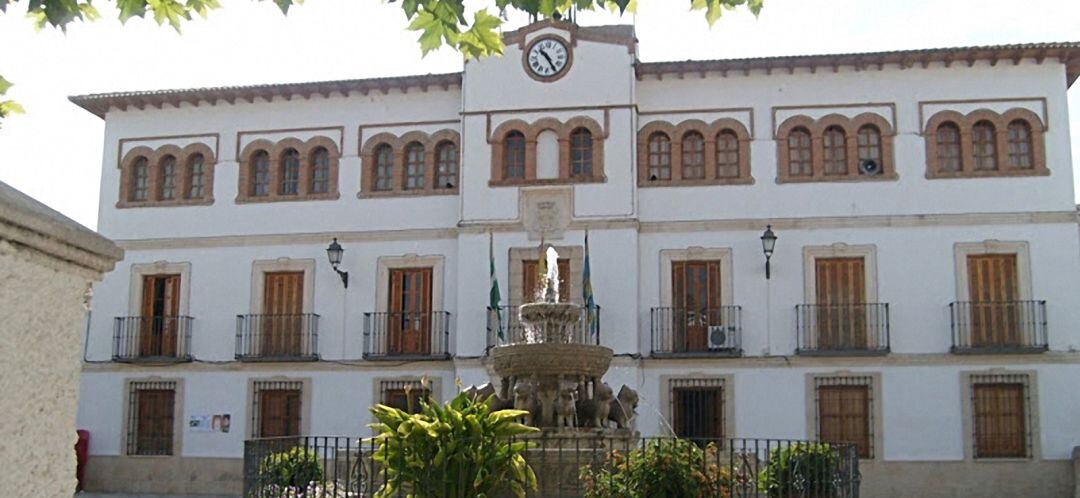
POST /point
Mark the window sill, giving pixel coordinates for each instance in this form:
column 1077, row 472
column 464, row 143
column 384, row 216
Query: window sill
column 174, row 203
column 1003, row 459
column 375, row 194
column 532, row 182
column 838, row 179
column 248, row 199
column 998, row 350
column 695, row 183
column 988, row 174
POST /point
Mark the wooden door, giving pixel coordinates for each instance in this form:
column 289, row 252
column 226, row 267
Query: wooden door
column 1000, row 425
column 844, row 416
column 282, row 320
column 410, row 311
column 840, row 284
column 154, row 421
column 530, row 281
column 698, row 412
column 279, row 413
column 160, row 309
column 993, row 287
column 696, row 293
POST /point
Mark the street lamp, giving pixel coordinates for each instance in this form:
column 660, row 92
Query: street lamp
column 334, row 252
column 768, row 244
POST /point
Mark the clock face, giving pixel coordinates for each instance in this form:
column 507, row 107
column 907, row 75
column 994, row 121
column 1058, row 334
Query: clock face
column 547, row 57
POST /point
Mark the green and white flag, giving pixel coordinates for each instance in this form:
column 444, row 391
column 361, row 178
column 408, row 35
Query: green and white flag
column 493, row 295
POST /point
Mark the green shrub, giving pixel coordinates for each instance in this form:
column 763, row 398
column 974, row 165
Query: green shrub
column 460, row 450
column 803, row 469
column 294, row 468
column 674, row 468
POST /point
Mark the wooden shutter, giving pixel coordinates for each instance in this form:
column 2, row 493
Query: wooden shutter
column 409, row 317
column 160, row 309
column 1000, row 421
column 397, row 398
column 698, row 412
column 154, row 421
column 994, row 291
column 530, row 284
column 279, row 413
column 844, row 416
column 283, row 308
column 840, row 285
column 696, row 299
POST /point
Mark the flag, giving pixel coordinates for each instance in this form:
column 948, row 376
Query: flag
column 493, row 295
column 591, row 323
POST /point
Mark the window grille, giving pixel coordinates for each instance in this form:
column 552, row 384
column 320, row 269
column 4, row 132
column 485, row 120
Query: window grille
column 697, row 408
column 581, row 153
column 869, row 141
column 1020, row 156
column 514, row 155
column 948, row 148
column 260, row 174
column 404, row 395
column 168, row 178
column 151, row 411
column 1001, row 416
column 384, row 167
column 320, row 171
column 276, row 408
column 693, row 156
column 984, row 139
column 140, row 179
column 447, row 167
column 835, row 151
column 290, row 172
column 844, row 411
column 727, row 155
column 414, row 166
column 659, row 157
column 195, row 177
column 799, row 153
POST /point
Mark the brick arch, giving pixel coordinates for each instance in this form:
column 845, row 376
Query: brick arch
column 436, row 141
column 507, row 126
column 1001, row 145
column 933, row 169
column 742, row 135
column 681, row 130
column 307, row 166
column 126, row 166
column 886, row 134
column 286, row 143
column 1038, row 130
column 818, row 142
column 154, row 180
column 209, row 161
column 586, row 122
column 644, row 134
column 428, row 161
column 734, row 125
column 1001, row 122
column 825, row 122
column 254, row 146
column 545, row 124
column 367, row 157
column 598, row 137
column 783, row 132
column 321, row 141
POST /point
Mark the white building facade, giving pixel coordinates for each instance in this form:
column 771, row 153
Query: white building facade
column 921, row 299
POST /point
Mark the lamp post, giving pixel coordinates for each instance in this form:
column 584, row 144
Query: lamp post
column 768, row 244
column 334, row 253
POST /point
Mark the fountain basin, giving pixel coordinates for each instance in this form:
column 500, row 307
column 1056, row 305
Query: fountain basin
column 571, row 360
column 549, row 322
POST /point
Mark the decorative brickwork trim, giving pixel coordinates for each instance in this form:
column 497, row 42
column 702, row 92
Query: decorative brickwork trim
column 430, row 142
column 851, row 127
column 531, row 132
column 275, row 151
column 1001, row 122
column 676, row 133
column 182, row 175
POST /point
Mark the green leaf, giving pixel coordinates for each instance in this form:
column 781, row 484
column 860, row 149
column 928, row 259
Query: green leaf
column 4, row 85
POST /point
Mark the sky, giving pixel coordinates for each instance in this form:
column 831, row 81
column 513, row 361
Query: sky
column 54, row 152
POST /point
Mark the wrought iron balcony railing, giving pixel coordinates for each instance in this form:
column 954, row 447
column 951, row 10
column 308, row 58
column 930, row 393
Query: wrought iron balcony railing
column 152, row 338
column 292, row 337
column 842, row 329
column 998, row 327
column 682, row 332
column 505, row 328
column 407, row 335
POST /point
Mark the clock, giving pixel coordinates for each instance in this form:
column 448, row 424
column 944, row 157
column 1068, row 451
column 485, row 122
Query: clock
column 547, row 58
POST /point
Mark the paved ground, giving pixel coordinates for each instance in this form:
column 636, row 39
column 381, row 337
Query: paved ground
column 113, row 495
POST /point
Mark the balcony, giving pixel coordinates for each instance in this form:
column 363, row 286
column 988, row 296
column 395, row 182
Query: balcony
column 505, row 327
column 407, row 335
column 277, row 337
column 860, row 329
column 152, row 339
column 687, row 333
column 998, row 327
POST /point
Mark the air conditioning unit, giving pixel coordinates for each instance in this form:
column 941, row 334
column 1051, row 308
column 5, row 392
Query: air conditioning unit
column 721, row 337
column 869, row 167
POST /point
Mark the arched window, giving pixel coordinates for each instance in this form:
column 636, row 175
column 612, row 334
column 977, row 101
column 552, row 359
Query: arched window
column 799, row 153
column 168, row 178
column 984, row 146
column 659, row 156
column 869, row 142
column 140, row 179
column 1020, row 153
column 835, row 151
column 581, row 153
column 727, row 154
column 446, row 167
column 196, row 176
column 320, row 171
column 384, row 168
column 514, row 155
column 693, row 156
column 948, row 148
column 260, row 174
column 290, row 172
column 414, row 166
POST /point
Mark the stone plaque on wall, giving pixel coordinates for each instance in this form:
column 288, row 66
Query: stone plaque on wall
column 546, row 212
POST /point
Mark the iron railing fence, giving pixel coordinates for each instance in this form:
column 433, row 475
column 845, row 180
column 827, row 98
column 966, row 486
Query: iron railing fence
column 842, row 329
column 285, row 337
column 504, row 327
column 696, row 332
column 407, row 335
column 998, row 327
column 152, row 338
column 340, row 467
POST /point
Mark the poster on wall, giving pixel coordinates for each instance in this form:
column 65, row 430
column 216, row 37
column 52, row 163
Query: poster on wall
column 209, row 423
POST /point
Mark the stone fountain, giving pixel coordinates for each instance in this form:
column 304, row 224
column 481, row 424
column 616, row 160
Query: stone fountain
column 557, row 380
